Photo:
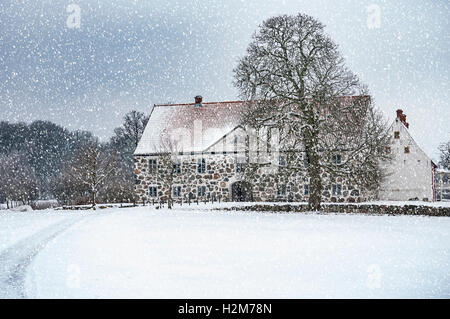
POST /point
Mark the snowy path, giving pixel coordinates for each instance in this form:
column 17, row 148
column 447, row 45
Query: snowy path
column 15, row 260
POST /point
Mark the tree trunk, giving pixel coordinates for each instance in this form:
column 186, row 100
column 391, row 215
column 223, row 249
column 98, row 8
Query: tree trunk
column 169, row 202
column 314, row 170
column 93, row 198
column 315, row 196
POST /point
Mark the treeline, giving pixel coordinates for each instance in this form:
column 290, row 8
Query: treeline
column 43, row 160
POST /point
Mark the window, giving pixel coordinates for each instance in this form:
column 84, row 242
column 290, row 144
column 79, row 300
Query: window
column 388, row 149
column 406, row 149
column 397, row 134
column 153, row 191
column 281, row 190
column 306, row 160
column 201, row 191
column 282, row 160
column 152, row 164
column 176, row 191
column 336, row 189
column 306, row 189
column 239, row 165
column 201, row 165
column 177, row 167
column 336, row 159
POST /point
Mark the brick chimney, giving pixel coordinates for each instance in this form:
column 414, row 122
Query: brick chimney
column 198, row 101
column 402, row 117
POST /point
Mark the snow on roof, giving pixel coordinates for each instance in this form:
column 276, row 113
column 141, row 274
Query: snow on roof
column 194, row 128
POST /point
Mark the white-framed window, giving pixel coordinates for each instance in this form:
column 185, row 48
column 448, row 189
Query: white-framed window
column 336, row 189
column 201, row 191
column 201, row 165
column 239, row 164
column 282, row 160
column 153, row 191
column 305, row 160
column 306, row 189
column 281, row 190
column 153, row 164
column 177, row 166
column 176, row 191
column 336, row 159
column 397, row 134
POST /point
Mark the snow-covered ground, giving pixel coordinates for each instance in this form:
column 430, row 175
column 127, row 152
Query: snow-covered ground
column 192, row 252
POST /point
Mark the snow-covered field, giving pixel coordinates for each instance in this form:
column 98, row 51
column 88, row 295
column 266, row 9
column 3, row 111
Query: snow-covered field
column 191, row 252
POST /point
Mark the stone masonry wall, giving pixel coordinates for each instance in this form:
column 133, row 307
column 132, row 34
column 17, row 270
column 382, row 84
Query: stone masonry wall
column 220, row 174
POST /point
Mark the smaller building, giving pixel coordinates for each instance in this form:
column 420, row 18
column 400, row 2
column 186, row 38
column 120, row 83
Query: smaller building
column 411, row 173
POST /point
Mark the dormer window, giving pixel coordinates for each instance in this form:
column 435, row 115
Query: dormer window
column 397, row 134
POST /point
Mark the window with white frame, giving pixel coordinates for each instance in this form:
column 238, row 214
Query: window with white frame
column 153, row 191
column 336, row 189
column 336, row 159
column 176, row 191
column 239, row 164
column 281, row 190
column 201, row 191
column 152, row 165
column 177, row 166
column 306, row 189
column 282, row 160
column 201, row 165
column 305, row 160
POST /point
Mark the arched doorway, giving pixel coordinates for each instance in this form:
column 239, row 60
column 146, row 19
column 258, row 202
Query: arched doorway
column 241, row 192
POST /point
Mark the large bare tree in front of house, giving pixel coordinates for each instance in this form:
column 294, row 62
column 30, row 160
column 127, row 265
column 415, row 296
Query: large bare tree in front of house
column 91, row 166
column 295, row 79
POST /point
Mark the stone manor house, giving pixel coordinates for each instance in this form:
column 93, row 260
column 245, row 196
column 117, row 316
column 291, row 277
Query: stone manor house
column 211, row 158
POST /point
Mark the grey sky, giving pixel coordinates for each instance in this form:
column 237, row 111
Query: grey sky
column 131, row 54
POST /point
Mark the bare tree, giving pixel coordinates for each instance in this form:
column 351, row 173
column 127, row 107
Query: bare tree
column 295, row 79
column 18, row 180
column 92, row 166
column 444, row 160
column 131, row 130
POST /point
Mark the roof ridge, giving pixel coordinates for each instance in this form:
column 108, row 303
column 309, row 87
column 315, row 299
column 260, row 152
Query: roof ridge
column 185, row 104
column 242, row 101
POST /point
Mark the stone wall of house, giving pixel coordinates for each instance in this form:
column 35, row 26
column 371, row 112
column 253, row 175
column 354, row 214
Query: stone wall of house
column 220, row 174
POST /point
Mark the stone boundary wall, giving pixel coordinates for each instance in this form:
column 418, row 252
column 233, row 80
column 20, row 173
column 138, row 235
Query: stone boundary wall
column 350, row 209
